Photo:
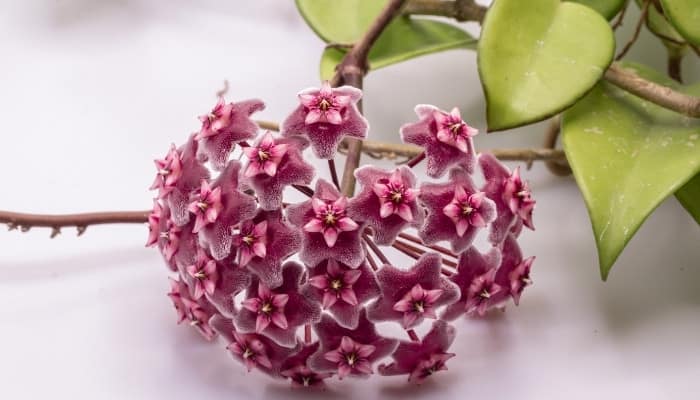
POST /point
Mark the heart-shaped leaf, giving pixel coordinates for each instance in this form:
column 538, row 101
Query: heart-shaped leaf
column 344, row 22
column 684, row 15
column 607, row 8
column 628, row 155
column 538, row 57
column 659, row 26
column 689, row 196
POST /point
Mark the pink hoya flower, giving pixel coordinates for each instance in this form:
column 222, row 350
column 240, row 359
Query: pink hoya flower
column 236, row 207
column 177, row 244
column 411, row 295
column 471, row 265
column 502, row 188
column 456, row 211
column 295, row 369
column 177, row 176
column 327, row 231
column 470, row 210
column 189, row 309
column 223, row 127
column 204, row 274
column 514, row 273
column 483, row 293
column 206, row 206
column 277, row 313
column 387, row 203
column 289, row 168
column 325, row 116
column 342, row 290
column 264, row 242
column 254, row 351
column 232, row 281
column 154, row 221
column 349, row 351
column 420, row 360
column 445, row 138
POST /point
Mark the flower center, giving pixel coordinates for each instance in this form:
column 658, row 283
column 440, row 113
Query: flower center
column 351, row 359
column 266, row 308
column 466, row 209
column 263, row 155
column 455, row 127
column 248, row 239
column 485, row 294
column 419, row 306
column 526, row 280
column 336, row 284
column 247, row 353
column 202, row 205
column 200, row 274
column 211, row 117
column 330, row 218
column 165, row 235
column 324, row 104
column 396, row 196
column 163, row 172
column 523, row 193
column 306, row 381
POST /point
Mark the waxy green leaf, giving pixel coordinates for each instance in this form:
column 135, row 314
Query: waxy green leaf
column 538, row 57
column 628, row 155
column 607, row 8
column 689, row 196
column 344, row 22
column 684, row 15
column 659, row 26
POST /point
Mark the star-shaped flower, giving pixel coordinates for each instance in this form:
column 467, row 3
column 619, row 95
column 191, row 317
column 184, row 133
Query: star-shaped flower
column 420, row 360
column 514, row 204
column 456, row 211
column 206, row 206
column 327, row 231
column 204, row 274
column 197, row 313
column 154, row 221
column 223, row 127
column 471, row 265
column 263, row 243
column 445, row 138
column 409, row 296
column 289, row 168
column 514, row 272
column 387, row 202
column 295, row 368
column 347, row 351
column 342, row 290
column 236, row 207
column 483, row 293
column 254, row 351
column 277, row 313
column 325, row 116
column 168, row 172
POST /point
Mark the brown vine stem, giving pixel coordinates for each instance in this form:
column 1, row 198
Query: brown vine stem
column 620, row 17
column 351, row 72
column 461, row 10
column 25, row 222
column 637, row 30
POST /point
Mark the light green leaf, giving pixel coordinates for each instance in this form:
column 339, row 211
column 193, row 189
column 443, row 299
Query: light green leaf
column 607, row 8
column 628, row 155
column 689, row 196
column 538, row 57
column 404, row 39
column 344, row 22
column 659, row 26
column 684, row 15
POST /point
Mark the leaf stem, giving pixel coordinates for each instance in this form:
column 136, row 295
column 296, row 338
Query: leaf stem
column 637, row 30
column 461, row 10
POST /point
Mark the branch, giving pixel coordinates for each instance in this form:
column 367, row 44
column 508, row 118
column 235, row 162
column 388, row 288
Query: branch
column 351, row 71
column 637, row 30
column 461, row 10
column 80, row 221
column 658, row 94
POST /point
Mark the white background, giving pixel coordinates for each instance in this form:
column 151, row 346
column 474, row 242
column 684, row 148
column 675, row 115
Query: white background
column 92, row 91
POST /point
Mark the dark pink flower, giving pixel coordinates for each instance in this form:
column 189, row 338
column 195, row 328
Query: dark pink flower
column 471, row 265
column 270, row 241
column 420, row 360
column 206, row 206
column 236, row 206
column 339, row 346
column 445, row 138
column 342, row 290
column 191, row 310
column 325, row 116
column 509, row 193
column 223, row 127
column 470, row 209
column 295, row 369
column 170, row 240
column 253, row 350
column 483, row 293
column 232, row 281
column 327, row 231
column 168, row 171
column 154, row 221
column 514, row 272
column 277, row 313
column 409, row 296
column 291, row 169
column 204, row 274
column 387, row 202
column 265, row 156
column 456, row 211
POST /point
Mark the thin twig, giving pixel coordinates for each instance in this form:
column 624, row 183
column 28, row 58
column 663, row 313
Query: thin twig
column 222, row 92
column 439, row 249
column 268, row 125
column 370, row 259
column 376, row 249
column 304, row 189
column 334, row 173
column 620, row 17
column 25, row 222
column 412, row 334
column 461, row 10
column 675, row 62
column 637, row 30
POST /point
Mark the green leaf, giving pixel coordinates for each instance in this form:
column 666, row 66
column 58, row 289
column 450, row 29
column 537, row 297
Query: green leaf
column 405, row 38
column 607, row 8
column 689, row 196
column 684, row 15
column 659, row 26
column 346, row 21
column 538, row 57
column 628, row 155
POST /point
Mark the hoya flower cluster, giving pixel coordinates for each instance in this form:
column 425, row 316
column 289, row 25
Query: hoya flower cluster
column 296, row 290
